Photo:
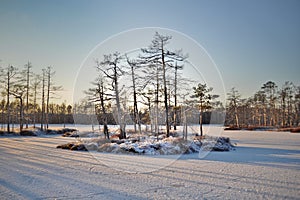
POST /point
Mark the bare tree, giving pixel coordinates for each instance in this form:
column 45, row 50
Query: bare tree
column 2, row 107
column 28, row 66
column 43, row 99
column 10, row 74
column 157, row 53
column 35, row 87
column 99, row 94
column 152, row 75
column 49, row 75
column 176, row 68
column 111, row 69
column 133, row 67
column 18, row 91
column 147, row 101
column 51, row 89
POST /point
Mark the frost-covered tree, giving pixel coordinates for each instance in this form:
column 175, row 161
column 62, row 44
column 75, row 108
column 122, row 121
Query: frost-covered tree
column 100, row 96
column 110, row 67
column 158, row 54
column 134, row 65
column 152, row 76
column 176, row 68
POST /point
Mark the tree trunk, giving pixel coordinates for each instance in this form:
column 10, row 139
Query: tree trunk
column 156, row 105
column 135, row 108
column 48, row 97
column 150, row 111
column 283, row 111
column 27, row 93
column 236, row 116
column 7, row 101
column 289, row 111
column 265, row 115
column 21, row 113
column 165, row 91
column 120, row 113
column 175, row 95
column 101, row 95
column 201, row 118
column 34, row 105
column 184, row 124
column 43, row 101
column 175, row 99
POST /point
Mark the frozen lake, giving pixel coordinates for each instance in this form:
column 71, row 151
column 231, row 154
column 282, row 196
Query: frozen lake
column 265, row 165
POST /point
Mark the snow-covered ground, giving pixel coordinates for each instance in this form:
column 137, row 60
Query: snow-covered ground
column 265, row 165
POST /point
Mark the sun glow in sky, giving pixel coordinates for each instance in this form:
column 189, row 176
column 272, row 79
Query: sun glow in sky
column 251, row 42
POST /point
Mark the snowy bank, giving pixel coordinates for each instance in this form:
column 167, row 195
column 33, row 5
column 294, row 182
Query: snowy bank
column 264, row 128
column 39, row 132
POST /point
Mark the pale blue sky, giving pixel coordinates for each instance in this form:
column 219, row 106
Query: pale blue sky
column 251, row 41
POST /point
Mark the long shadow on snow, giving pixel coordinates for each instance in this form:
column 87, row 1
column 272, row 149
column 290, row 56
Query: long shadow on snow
column 281, row 158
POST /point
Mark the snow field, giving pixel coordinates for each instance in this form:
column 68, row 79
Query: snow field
column 265, row 165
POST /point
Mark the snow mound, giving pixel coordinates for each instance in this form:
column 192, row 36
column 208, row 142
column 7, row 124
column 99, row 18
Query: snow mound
column 152, row 146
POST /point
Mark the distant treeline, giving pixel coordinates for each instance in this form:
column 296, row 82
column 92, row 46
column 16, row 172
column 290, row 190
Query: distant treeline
column 270, row 106
column 65, row 114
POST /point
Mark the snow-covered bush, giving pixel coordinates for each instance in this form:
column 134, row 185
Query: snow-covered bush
column 152, row 146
